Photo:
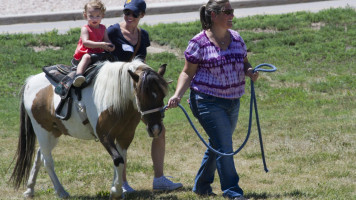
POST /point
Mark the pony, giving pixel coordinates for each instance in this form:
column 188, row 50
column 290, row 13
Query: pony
column 121, row 95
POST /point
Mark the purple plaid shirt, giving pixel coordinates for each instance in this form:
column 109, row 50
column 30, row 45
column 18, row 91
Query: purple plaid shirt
column 220, row 72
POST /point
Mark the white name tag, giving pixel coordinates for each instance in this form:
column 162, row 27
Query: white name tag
column 127, row 47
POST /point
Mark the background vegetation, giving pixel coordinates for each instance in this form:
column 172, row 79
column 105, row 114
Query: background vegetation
column 307, row 112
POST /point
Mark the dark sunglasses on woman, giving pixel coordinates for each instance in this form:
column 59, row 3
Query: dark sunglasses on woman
column 228, row 11
column 129, row 12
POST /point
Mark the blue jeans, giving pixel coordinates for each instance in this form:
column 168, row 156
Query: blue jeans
column 218, row 117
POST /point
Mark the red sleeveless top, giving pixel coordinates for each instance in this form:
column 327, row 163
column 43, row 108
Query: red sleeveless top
column 96, row 35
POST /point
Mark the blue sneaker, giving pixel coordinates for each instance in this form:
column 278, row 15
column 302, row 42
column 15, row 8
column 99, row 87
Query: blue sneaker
column 126, row 188
column 164, row 184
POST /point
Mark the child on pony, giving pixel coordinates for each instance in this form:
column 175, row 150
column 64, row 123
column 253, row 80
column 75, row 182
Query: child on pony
column 93, row 41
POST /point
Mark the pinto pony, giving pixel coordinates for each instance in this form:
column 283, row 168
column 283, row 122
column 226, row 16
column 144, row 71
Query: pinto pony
column 113, row 103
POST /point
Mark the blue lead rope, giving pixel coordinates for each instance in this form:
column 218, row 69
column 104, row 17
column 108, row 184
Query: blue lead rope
column 253, row 102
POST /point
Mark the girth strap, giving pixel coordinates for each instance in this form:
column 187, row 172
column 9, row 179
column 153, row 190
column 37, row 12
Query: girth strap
column 59, row 108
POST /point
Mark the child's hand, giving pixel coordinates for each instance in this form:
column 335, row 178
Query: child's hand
column 109, row 47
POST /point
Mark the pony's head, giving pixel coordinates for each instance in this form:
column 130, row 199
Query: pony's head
column 150, row 88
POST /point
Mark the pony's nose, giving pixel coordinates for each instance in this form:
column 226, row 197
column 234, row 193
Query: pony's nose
column 155, row 130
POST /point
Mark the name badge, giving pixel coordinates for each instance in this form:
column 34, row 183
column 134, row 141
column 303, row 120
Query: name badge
column 127, row 47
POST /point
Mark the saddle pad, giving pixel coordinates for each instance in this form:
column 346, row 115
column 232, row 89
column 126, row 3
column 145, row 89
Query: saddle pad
column 59, row 71
column 56, row 72
column 64, row 69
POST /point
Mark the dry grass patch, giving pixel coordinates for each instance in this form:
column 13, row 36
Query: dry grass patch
column 317, row 25
column 156, row 48
column 260, row 30
column 45, row 48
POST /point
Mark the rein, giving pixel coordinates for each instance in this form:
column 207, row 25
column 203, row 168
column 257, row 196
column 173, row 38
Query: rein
column 253, row 102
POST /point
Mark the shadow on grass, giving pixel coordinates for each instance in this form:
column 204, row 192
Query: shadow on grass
column 141, row 194
column 89, row 197
column 149, row 194
column 172, row 195
column 291, row 194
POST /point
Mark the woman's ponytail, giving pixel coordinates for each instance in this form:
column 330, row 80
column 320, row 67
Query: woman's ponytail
column 205, row 12
column 205, row 18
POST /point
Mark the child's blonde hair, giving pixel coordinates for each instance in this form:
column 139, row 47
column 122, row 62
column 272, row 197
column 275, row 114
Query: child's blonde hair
column 96, row 4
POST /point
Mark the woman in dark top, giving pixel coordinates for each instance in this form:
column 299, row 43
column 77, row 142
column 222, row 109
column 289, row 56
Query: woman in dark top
column 124, row 48
column 126, row 36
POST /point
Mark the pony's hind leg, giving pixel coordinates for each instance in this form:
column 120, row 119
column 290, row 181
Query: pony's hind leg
column 49, row 165
column 47, row 142
column 30, row 192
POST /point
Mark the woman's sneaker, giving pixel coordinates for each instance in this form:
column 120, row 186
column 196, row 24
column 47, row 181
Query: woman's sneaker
column 78, row 80
column 162, row 183
column 126, row 188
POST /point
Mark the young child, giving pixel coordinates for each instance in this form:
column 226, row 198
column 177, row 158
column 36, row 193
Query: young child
column 93, row 39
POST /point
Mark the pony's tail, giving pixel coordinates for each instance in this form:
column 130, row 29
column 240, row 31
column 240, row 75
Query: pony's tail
column 25, row 148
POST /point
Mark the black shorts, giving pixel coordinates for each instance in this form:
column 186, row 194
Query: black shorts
column 95, row 57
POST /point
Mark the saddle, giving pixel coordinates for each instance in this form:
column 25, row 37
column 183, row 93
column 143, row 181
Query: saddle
column 62, row 77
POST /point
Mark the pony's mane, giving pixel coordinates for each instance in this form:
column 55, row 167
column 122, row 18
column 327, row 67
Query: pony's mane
column 113, row 86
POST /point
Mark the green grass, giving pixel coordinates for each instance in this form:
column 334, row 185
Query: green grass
column 307, row 111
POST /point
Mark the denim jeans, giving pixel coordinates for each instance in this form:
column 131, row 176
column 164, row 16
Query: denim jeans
column 218, row 117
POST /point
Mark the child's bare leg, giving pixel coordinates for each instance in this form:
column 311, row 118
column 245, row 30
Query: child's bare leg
column 79, row 78
column 84, row 62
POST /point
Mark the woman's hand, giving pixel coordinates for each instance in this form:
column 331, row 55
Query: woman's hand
column 253, row 76
column 173, row 102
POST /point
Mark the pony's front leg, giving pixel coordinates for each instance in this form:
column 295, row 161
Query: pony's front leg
column 30, row 192
column 116, row 188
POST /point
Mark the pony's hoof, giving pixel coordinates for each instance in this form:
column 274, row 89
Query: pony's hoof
column 29, row 193
column 63, row 194
column 115, row 195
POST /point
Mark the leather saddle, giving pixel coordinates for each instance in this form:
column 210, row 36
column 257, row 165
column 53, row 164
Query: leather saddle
column 62, row 77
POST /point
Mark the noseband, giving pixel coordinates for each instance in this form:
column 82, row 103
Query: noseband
column 160, row 109
column 150, row 111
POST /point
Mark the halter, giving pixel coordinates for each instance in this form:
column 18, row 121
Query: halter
column 150, row 111
column 160, row 109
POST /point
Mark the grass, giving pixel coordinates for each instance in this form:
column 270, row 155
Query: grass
column 307, row 112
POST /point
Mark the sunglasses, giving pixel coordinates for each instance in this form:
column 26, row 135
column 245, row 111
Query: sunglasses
column 129, row 12
column 228, row 11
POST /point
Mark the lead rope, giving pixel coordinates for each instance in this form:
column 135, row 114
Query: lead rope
column 253, row 101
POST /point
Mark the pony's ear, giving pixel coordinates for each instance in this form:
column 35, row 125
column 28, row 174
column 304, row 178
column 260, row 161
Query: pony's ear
column 134, row 76
column 162, row 69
